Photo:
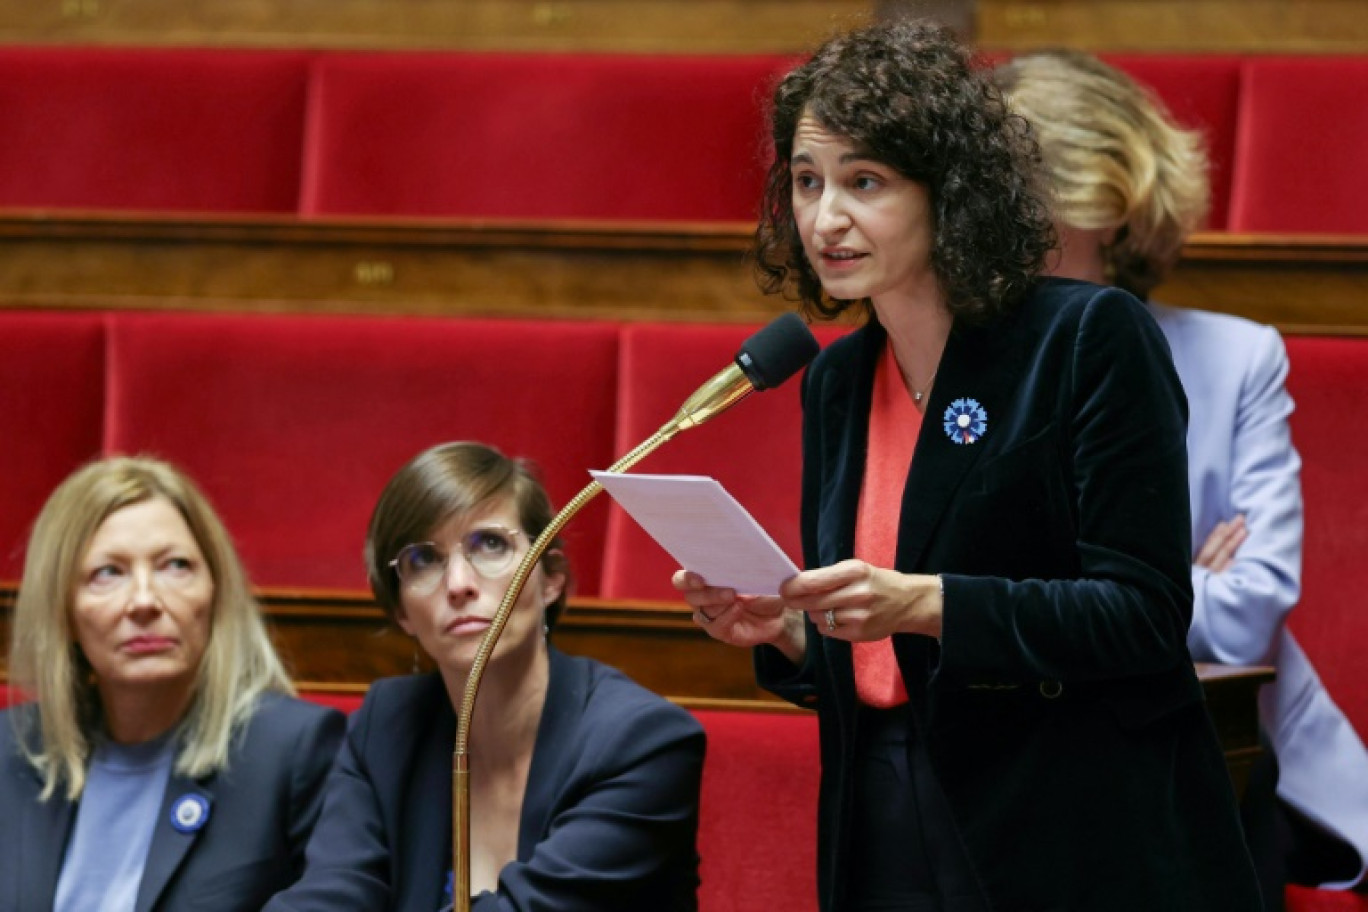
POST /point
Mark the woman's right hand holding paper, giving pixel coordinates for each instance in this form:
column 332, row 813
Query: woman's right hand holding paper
column 743, row 620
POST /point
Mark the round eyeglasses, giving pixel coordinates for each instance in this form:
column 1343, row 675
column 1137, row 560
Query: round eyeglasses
column 490, row 551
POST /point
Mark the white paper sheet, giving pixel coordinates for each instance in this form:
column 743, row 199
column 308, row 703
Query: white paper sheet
column 704, row 528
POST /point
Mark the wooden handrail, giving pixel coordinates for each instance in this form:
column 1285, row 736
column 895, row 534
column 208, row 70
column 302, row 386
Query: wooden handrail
column 580, row 269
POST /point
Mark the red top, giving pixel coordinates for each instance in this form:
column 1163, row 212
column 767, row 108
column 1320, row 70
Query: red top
column 894, row 423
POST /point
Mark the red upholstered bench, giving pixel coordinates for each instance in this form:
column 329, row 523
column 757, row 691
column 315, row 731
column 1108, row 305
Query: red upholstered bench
column 754, row 449
column 1298, row 157
column 1330, row 429
column 346, row 702
column 293, row 424
column 1306, row 899
column 151, row 129
column 52, row 390
column 538, row 135
column 757, row 832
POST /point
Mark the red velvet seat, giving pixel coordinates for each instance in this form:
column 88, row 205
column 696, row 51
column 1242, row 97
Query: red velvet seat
column 52, row 388
column 1307, row 899
column 1298, row 163
column 346, row 702
column 537, row 136
column 757, row 833
column 293, row 424
column 1330, row 430
column 754, row 449
column 198, row 130
column 1202, row 92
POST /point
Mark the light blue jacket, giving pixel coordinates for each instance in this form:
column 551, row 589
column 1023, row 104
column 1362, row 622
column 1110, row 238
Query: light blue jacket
column 1242, row 461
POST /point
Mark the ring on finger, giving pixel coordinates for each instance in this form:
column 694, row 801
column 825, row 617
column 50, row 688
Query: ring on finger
column 831, row 619
column 706, row 618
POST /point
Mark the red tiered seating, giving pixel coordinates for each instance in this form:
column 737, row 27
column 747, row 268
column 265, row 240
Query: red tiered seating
column 1303, row 127
column 757, row 833
column 195, row 130
column 52, row 388
column 579, row 136
column 1308, row 899
column 754, row 450
column 1330, row 430
column 293, row 424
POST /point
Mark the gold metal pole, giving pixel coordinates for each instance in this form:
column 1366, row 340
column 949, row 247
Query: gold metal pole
column 461, row 758
column 724, row 390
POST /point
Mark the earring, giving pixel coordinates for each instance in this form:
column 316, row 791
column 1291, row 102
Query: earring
column 416, row 669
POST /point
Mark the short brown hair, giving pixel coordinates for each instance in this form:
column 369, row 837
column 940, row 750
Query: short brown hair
column 447, row 481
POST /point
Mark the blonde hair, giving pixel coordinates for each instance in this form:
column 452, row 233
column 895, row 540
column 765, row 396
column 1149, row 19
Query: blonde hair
column 1116, row 159
column 239, row 663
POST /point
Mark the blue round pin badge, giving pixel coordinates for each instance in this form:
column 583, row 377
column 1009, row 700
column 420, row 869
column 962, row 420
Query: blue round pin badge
column 190, row 813
column 965, row 421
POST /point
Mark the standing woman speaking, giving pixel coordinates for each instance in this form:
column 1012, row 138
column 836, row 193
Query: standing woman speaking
column 995, row 517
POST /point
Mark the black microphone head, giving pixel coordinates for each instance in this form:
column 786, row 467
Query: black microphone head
column 777, row 351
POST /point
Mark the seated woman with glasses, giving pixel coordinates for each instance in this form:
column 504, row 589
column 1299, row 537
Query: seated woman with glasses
column 162, row 763
column 583, row 786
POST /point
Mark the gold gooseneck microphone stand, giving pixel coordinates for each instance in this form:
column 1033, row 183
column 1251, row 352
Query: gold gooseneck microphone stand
column 728, row 387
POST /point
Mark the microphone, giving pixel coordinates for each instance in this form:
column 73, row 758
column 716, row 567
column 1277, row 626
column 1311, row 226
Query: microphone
column 765, row 360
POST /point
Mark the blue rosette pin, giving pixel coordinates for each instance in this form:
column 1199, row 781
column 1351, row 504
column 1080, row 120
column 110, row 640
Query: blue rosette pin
column 189, row 813
column 965, row 421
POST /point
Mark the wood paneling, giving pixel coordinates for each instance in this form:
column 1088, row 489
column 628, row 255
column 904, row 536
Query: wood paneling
column 684, row 272
column 341, row 641
column 1299, row 284
column 1284, row 26
column 693, row 26
column 332, row 639
column 669, row 272
column 684, row 26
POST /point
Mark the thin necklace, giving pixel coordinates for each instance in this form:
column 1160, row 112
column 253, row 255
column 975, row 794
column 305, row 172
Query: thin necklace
column 918, row 394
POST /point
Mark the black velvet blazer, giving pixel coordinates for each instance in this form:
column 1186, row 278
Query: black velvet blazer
column 1060, row 709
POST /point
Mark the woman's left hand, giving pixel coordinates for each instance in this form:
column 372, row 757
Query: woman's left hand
column 866, row 602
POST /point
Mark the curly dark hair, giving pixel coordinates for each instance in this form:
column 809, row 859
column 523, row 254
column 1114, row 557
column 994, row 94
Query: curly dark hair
column 908, row 94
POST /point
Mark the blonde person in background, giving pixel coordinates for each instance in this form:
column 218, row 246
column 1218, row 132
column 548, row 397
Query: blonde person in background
column 1130, row 185
column 163, row 764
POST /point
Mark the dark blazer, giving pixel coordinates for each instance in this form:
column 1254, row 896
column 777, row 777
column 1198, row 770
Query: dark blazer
column 609, row 819
column 262, row 808
column 1060, row 710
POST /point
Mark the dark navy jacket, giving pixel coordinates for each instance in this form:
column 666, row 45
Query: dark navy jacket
column 609, row 819
column 1060, row 709
column 262, row 809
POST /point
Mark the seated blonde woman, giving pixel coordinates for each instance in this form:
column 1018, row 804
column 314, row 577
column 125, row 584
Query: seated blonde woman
column 163, row 763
